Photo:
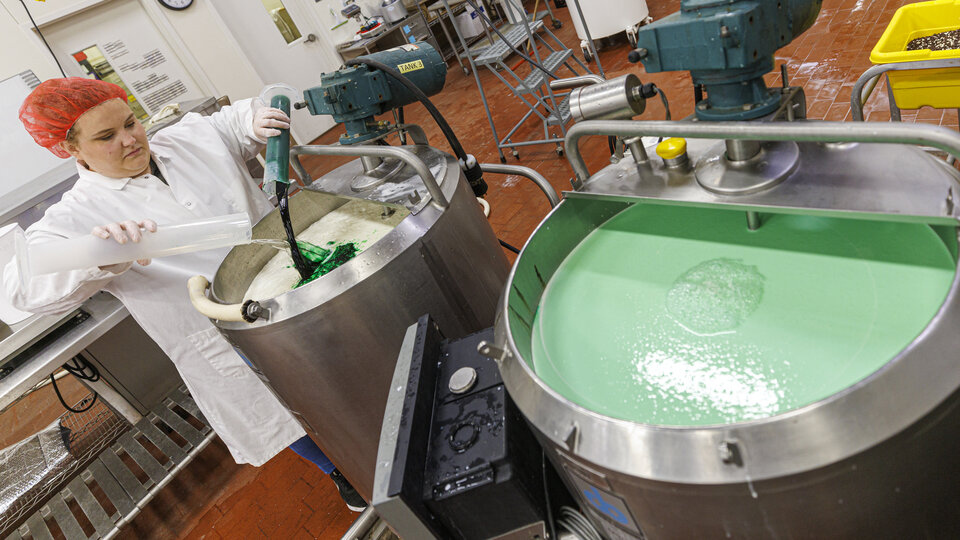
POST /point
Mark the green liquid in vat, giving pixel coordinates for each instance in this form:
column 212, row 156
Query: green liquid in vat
column 680, row 316
column 322, row 261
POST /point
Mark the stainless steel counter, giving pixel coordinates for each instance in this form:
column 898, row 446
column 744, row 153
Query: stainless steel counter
column 105, row 313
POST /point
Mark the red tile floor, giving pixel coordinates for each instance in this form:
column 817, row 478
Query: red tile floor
column 289, row 498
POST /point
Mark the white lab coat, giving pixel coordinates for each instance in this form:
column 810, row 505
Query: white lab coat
column 202, row 158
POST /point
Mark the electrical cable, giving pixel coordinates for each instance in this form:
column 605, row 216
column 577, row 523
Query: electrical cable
column 666, row 105
column 472, row 172
column 576, row 523
column 509, row 247
column 37, row 28
column 78, row 370
column 546, row 495
column 400, row 120
column 507, row 42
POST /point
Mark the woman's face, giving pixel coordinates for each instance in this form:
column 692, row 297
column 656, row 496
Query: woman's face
column 109, row 140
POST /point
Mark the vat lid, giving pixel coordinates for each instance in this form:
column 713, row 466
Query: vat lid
column 388, row 181
column 884, row 182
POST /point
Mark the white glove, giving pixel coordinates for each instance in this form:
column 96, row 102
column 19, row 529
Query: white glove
column 123, row 232
column 268, row 118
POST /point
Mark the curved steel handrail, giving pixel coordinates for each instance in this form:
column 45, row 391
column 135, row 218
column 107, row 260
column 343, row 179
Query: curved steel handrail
column 863, row 132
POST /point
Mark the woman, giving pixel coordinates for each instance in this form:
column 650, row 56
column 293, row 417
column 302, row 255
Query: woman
column 191, row 170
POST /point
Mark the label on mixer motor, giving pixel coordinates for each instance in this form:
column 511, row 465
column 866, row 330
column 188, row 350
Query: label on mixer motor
column 410, row 66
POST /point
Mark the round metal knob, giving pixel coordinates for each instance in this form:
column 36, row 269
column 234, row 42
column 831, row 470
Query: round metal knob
column 462, row 380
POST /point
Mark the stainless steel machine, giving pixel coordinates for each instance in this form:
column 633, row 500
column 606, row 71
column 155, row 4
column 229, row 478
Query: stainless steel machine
column 872, row 457
column 328, row 348
column 759, row 397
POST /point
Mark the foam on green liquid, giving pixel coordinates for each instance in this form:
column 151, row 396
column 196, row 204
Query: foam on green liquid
column 679, row 316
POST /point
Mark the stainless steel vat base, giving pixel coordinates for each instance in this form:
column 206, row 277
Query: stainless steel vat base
column 905, row 487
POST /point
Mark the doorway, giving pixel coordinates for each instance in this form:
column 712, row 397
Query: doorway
column 283, row 41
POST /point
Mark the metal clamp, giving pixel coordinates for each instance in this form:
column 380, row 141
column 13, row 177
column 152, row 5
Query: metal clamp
column 408, row 157
column 893, row 133
column 525, row 172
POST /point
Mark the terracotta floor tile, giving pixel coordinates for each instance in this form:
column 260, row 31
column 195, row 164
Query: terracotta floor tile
column 838, row 112
column 206, row 524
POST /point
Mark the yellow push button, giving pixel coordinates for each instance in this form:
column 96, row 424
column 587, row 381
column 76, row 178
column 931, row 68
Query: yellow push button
column 672, row 148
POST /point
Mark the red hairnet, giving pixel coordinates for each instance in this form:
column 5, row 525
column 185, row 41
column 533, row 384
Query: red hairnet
column 54, row 106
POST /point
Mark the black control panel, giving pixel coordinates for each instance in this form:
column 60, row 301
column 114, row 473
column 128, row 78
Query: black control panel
column 471, row 468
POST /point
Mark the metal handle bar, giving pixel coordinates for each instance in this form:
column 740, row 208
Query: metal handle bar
column 408, row 157
column 864, row 132
column 576, row 82
column 525, row 172
column 871, row 77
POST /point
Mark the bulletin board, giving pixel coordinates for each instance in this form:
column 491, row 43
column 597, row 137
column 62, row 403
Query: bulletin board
column 135, row 49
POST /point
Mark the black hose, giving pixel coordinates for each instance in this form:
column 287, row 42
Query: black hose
column 78, row 370
column 299, row 261
column 472, row 172
column 666, row 105
column 509, row 247
column 400, row 120
column 39, row 33
column 612, row 143
column 531, row 61
column 546, row 496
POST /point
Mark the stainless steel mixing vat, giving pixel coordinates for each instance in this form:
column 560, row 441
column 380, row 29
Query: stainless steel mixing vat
column 328, row 348
column 877, row 459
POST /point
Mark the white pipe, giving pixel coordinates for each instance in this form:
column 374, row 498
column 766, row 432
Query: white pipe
column 197, row 288
column 89, row 251
column 486, row 206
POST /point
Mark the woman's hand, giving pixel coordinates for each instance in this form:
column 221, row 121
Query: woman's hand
column 123, row 232
column 268, row 118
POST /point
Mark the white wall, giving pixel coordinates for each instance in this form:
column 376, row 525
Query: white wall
column 198, row 27
column 215, row 50
column 346, row 32
column 20, row 52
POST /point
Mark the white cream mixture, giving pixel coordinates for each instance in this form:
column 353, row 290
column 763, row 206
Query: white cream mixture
column 360, row 222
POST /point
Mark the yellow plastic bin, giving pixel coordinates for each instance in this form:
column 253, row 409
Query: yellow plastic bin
column 912, row 89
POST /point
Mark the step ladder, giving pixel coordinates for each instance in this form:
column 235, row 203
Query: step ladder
column 552, row 109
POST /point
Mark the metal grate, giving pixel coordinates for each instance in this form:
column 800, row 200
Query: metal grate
column 499, row 51
column 124, row 474
column 563, row 108
column 53, row 457
column 536, row 79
